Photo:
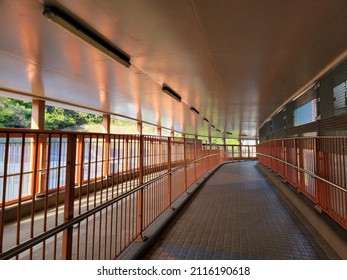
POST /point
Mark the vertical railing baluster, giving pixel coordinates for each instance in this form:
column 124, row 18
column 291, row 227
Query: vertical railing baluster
column 195, row 146
column 185, row 164
column 316, row 171
column 79, row 179
column 58, row 193
column 69, row 195
column 47, row 160
column 140, row 192
column 19, row 209
column 169, row 170
column 4, row 186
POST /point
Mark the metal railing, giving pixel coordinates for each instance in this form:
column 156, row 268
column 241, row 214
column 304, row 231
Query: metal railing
column 314, row 166
column 235, row 152
column 89, row 196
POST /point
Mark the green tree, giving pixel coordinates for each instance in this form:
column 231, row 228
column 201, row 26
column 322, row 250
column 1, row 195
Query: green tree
column 59, row 119
column 14, row 113
column 17, row 114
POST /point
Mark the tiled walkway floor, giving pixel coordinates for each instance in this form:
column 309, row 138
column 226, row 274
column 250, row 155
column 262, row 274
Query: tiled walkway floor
column 236, row 215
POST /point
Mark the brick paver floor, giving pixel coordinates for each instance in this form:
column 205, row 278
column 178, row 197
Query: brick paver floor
column 237, row 214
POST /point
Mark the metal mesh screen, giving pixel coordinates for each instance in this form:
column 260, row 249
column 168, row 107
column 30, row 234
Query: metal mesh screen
column 320, row 111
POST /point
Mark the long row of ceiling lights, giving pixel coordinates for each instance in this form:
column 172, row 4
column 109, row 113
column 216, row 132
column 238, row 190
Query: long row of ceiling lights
column 97, row 41
column 169, row 91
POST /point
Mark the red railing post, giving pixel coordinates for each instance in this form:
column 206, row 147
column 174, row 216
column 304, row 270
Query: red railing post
column 106, row 155
column 4, row 188
column 41, row 164
column 69, row 195
column 315, row 170
column 169, row 170
column 285, row 155
column 140, row 193
column 195, row 146
column 185, row 164
column 298, row 157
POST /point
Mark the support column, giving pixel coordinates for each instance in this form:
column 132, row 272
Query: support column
column 38, row 123
column 139, row 128
column 38, row 114
column 106, row 123
column 159, row 132
column 106, row 128
column 240, row 149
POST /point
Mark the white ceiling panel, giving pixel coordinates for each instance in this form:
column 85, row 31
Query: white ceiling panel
column 236, row 62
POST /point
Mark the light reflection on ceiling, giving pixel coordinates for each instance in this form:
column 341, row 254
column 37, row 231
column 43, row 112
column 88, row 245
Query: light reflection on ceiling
column 236, row 62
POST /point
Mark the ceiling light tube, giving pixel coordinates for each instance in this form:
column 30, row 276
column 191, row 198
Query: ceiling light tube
column 86, row 34
column 172, row 93
column 206, row 120
column 194, row 110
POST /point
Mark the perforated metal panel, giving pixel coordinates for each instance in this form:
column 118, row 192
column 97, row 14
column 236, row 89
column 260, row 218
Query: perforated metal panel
column 333, row 102
column 320, row 111
column 278, row 125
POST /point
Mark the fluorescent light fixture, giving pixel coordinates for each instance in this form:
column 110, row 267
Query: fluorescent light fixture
column 171, row 92
column 218, row 130
column 228, row 133
column 86, row 34
column 194, row 110
column 206, row 120
column 213, row 126
column 242, row 134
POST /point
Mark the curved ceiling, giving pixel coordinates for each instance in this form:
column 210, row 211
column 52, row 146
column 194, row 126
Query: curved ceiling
column 235, row 62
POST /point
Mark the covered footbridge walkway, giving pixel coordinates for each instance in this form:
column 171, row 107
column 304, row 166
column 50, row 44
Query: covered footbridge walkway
column 218, row 82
